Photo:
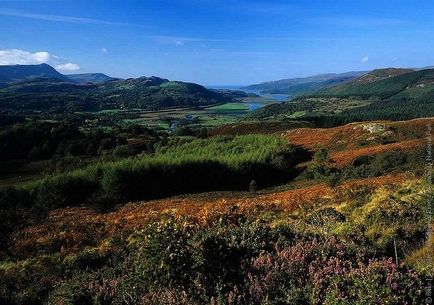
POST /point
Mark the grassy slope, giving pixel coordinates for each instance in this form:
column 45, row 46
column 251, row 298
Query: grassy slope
column 298, row 86
column 369, row 210
column 383, row 87
column 297, row 198
column 380, row 94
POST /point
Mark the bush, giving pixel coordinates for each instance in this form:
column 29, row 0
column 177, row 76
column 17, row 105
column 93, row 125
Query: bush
column 63, row 189
column 205, row 262
column 332, row 277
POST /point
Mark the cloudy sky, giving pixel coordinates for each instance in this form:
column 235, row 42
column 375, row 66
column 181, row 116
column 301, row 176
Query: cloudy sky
column 217, row 42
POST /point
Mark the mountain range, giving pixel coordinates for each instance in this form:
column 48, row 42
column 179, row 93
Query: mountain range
column 391, row 93
column 41, row 88
column 298, row 86
column 394, row 94
column 95, row 78
column 15, row 73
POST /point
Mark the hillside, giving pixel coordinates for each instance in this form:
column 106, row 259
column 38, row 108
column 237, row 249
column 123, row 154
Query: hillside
column 298, row 86
column 382, row 83
column 348, row 142
column 394, row 94
column 151, row 93
column 353, row 215
column 13, row 73
column 90, row 78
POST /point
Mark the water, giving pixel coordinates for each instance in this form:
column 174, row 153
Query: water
column 254, row 105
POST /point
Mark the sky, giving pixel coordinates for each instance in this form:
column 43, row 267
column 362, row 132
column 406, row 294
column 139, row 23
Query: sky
column 217, row 42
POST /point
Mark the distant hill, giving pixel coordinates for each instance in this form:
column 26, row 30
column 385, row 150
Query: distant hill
column 380, row 82
column 151, row 93
column 43, row 85
column 95, row 78
column 393, row 94
column 298, row 86
column 14, row 73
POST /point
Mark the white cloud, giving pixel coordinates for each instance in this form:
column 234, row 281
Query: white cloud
column 104, row 50
column 365, row 59
column 68, row 67
column 21, row 57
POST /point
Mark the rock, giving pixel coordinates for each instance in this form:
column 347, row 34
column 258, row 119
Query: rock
column 374, row 127
column 387, row 133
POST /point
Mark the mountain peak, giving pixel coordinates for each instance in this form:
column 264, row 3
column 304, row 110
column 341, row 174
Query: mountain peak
column 14, row 73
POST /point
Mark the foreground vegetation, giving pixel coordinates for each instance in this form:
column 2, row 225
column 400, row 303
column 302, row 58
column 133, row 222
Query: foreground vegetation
column 200, row 165
column 231, row 257
column 344, row 221
column 220, row 163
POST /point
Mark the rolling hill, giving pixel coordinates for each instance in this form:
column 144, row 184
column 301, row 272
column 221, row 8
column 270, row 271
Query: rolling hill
column 90, row 78
column 151, row 93
column 298, row 86
column 394, row 94
column 382, row 83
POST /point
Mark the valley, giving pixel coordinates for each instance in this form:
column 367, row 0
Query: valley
column 163, row 190
column 216, row 152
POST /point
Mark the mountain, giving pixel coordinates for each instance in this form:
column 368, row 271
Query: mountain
column 90, row 78
column 150, row 93
column 379, row 82
column 298, row 86
column 393, row 94
column 14, row 73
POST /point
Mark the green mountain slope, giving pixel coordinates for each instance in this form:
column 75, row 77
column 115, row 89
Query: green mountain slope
column 382, row 83
column 298, row 86
column 151, row 93
column 393, row 94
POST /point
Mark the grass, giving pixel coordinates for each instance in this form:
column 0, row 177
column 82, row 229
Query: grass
column 297, row 114
column 230, row 107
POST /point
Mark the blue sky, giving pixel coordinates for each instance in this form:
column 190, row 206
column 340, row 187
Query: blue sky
column 217, row 42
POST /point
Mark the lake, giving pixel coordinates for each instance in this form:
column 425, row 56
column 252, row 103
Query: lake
column 254, row 104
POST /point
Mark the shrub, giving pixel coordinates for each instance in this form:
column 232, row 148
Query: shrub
column 333, row 276
column 63, row 189
column 402, row 221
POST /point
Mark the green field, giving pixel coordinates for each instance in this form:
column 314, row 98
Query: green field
column 230, row 107
column 214, row 116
